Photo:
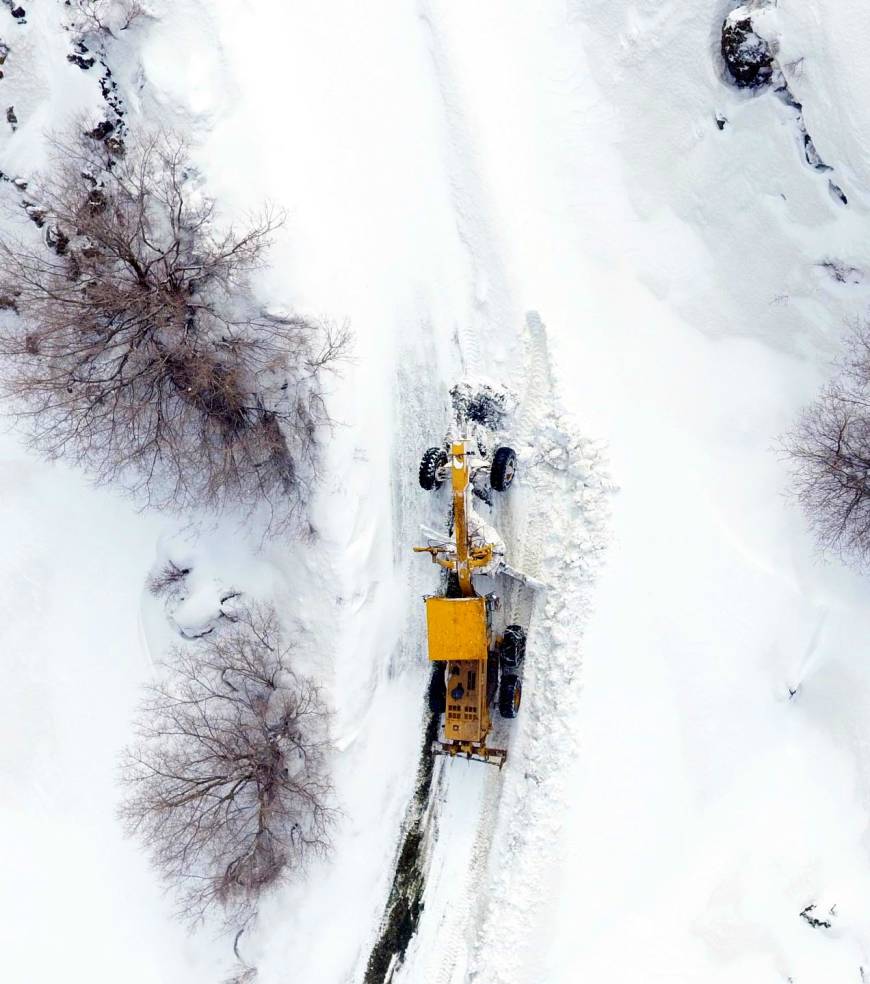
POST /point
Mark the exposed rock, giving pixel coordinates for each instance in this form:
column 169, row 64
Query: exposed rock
column 11, row 118
column 842, row 273
column 747, row 55
column 837, row 193
column 812, row 155
column 807, row 915
column 101, row 130
column 81, row 57
column 34, row 213
column 115, row 146
column 83, row 63
column 57, row 240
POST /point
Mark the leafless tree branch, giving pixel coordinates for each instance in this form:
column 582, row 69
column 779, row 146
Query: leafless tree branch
column 829, row 449
column 227, row 783
column 105, row 16
column 138, row 351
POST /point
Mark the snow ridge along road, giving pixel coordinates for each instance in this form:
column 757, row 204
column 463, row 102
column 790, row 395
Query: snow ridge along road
column 563, row 508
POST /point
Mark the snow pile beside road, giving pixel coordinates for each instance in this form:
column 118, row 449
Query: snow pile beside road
column 564, row 517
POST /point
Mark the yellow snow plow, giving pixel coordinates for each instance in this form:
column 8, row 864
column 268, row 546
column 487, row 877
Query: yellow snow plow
column 474, row 660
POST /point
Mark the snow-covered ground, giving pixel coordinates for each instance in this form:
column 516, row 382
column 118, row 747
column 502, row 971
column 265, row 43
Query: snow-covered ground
column 689, row 771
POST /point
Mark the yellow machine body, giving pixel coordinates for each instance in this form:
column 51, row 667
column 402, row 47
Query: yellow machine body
column 457, row 631
column 458, row 628
column 466, row 718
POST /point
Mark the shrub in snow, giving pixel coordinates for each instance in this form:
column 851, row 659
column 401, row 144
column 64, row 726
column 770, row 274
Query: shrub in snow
column 747, row 56
column 829, row 450
column 138, row 351
column 807, row 914
column 169, row 576
column 104, row 16
column 227, row 783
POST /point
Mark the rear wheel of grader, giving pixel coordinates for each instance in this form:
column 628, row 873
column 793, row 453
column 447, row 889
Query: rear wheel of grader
column 513, row 648
column 491, row 678
column 504, row 467
column 437, row 690
column 510, row 695
column 432, row 461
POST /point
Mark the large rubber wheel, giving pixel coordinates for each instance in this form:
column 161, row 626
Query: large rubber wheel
column 432, row 460
column 513, row 647
column 437, row 690
column 504, row 467
column 510, row 694
column 491, row 678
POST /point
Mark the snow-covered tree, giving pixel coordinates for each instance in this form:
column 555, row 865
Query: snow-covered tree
column 830, row 452
column 138, row 350
column 227, row 784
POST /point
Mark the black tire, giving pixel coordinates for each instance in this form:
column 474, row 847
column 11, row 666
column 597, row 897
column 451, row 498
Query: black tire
column 510, row 695
column 491, row 678
column 513, row 648
column 504, row 467
column 438, row 690
column 431, row 461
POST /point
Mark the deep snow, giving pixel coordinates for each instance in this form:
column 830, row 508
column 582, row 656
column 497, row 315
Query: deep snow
column 448, row 168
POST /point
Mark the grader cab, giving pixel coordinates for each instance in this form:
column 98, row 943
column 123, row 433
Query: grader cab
column 478, row 661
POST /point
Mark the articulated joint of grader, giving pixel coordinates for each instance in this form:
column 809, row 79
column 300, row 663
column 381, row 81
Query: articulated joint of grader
column 445, row 557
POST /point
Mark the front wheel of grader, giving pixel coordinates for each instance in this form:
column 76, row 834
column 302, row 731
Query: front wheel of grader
column 503, row 470
column 431, row 465
column 513, row 648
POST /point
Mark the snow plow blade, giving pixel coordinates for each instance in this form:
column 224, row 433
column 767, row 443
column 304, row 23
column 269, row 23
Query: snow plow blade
column 468, row 750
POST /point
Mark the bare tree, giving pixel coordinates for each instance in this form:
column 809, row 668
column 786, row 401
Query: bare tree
column 830, row 452
column 169, row 576
column 227, row 783
column 138, row 351
column 105, row 16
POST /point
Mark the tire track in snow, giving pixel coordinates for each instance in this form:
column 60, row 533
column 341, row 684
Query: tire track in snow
column 446, row 963
column 487, row 343
column 487, row 339
column 566, row 503
column 421, row 412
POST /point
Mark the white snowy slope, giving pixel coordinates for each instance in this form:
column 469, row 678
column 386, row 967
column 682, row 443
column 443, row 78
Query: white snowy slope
column 77, row 901
column 688, row 772
column 679, row 269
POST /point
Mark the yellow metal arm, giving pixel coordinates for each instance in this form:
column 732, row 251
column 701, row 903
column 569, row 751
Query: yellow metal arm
column 461, row 558
column 477, row 557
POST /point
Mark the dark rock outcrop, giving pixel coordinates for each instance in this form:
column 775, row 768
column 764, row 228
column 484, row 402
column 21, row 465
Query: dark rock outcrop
column 747, row 55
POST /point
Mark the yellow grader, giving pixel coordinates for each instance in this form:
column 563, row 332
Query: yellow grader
column 478, row 661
